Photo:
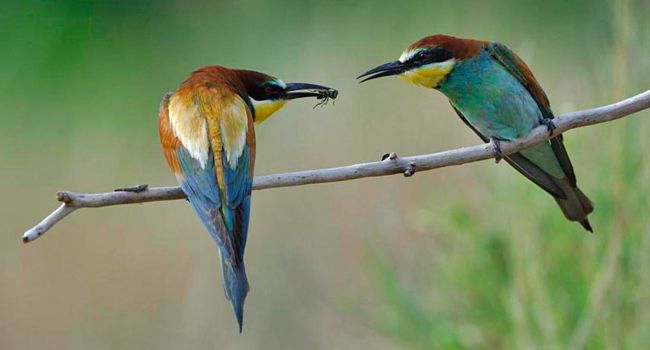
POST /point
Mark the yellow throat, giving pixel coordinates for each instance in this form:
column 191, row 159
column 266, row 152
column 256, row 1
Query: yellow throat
column 429, row 75
column 264, row 109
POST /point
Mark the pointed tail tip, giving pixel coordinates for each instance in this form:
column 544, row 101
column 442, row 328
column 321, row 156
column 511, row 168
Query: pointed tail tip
column 236, row 288
column 239, row 314
column 585, row 223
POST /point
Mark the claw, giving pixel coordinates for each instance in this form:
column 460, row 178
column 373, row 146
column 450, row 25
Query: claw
column 550, row 126
column 497, row 149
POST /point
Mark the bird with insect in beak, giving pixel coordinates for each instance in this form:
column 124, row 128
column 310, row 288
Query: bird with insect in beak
column 494, row 93
column 208, row 139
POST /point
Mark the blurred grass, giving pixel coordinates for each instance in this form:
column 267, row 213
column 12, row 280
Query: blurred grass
column 465, row 257
column 510, row 272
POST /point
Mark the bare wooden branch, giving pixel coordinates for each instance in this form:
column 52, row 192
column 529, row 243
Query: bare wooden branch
column 389, row 166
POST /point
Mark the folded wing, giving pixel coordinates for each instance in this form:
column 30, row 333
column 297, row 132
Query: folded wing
column 208, row 140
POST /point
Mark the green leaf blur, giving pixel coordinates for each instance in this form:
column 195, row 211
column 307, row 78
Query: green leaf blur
column 470, row 257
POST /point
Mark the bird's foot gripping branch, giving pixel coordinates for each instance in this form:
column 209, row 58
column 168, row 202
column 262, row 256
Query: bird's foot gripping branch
column 391, row 165
column 498, row 154
column 550, row 126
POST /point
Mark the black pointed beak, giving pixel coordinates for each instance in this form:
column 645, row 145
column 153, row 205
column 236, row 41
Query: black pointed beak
column 299, row 90
column 385, row 70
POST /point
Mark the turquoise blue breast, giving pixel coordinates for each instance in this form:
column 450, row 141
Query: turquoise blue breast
column 491, row 99
column 497, row 105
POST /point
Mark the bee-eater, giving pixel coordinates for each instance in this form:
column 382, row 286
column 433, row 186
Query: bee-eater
column 208, row 138
column 496, row 95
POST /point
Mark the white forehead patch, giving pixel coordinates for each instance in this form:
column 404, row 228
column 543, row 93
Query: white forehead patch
column 406, row 55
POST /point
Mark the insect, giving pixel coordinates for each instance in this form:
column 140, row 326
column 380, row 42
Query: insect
column 324, row 97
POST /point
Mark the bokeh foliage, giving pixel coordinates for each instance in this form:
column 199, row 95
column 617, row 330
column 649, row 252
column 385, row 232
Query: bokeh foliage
column 526, row 280
column 470, row 257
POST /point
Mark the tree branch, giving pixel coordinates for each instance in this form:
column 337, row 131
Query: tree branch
column 389, row 166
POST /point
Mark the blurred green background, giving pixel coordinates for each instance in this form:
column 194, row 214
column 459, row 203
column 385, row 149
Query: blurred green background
column 469, row 257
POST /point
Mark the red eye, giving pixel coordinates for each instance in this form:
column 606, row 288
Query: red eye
column 268, row 89
column 424, row 55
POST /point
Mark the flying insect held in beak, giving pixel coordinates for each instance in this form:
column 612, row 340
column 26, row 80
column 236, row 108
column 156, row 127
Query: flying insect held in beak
column 322, row 93
column 207, row 135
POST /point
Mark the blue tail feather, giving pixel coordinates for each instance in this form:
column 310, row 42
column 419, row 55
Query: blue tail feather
column 235, row 285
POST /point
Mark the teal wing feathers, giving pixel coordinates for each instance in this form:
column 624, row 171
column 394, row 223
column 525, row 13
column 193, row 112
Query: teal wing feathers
column 238, row 183
column 518, row 68
column 200, row 185
column 523, row 165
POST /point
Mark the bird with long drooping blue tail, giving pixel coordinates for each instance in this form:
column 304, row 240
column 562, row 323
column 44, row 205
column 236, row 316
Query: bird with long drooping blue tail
column 208, row 139
column 496, row 95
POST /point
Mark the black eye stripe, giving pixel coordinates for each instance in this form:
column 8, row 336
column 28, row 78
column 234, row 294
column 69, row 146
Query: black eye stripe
column 271, row 90
column 437, row 54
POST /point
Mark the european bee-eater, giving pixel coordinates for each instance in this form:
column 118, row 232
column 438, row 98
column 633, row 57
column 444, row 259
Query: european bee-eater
column 208, row 139
column 496, row 95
